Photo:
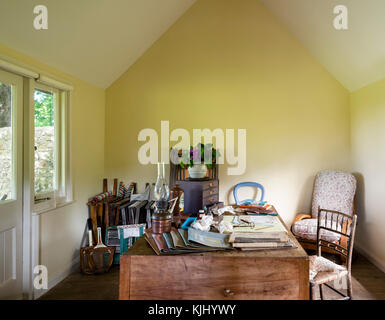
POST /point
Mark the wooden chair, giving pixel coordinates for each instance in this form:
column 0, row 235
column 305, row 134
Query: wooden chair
column 322, row 270
column 247, row 184
column 333, row 190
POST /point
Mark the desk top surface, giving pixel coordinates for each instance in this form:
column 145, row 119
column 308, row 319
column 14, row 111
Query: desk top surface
column 142, row 248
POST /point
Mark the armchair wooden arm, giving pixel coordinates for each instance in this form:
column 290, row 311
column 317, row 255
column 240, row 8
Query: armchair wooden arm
column 300, row 217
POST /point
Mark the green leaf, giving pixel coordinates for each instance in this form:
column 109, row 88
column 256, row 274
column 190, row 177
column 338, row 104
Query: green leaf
column 44, row 109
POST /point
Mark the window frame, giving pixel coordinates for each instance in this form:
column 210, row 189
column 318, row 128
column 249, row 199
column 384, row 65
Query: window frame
column 15, row 140
column 62, row 193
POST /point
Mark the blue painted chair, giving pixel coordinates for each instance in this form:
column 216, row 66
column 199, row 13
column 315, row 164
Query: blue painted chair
column 247, row 184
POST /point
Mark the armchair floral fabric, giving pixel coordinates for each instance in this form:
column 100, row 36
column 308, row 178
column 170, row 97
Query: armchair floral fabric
column 333, row 190
column 307, row 229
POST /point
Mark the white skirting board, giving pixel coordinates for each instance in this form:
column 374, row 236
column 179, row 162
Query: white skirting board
column 74, row 266
column 378, row 263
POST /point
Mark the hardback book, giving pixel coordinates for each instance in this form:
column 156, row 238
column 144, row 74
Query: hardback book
column 289, row 245
column 262, row 244
column 279, row 236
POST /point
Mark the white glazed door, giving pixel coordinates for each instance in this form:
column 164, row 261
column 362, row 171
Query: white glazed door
column 11, row 155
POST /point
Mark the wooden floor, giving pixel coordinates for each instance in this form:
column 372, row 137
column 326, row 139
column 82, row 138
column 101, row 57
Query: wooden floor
column 368, row 283
column 78, row 286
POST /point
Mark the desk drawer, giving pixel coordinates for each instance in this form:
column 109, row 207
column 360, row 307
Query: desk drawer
column 210, row 200
column 206, row 185
column 217, row 278
column 210, row 192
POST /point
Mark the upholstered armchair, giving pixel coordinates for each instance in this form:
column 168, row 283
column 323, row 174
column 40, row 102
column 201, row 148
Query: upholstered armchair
column 333, row 190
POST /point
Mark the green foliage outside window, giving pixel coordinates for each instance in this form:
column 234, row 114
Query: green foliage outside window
column 44, row 115
column 5, row 105
column 44, row 142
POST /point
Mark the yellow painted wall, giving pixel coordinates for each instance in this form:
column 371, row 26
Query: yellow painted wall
column 225, row 64
column 230, row 64
column 368, row 160
column 62, row 229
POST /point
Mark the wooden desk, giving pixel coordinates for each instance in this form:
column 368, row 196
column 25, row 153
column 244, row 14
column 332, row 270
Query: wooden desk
column 228, row 275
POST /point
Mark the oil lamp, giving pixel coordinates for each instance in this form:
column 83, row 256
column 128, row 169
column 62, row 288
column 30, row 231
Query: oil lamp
column 161, row 218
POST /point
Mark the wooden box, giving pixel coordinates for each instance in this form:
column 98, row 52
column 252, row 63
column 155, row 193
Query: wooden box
column 198, row 194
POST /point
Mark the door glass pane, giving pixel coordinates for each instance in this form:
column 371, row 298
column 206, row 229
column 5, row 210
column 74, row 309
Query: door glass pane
column 6, row 143
column 44, row 142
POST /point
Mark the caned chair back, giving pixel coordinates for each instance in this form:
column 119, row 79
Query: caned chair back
column 334, row 190
column 341, row 223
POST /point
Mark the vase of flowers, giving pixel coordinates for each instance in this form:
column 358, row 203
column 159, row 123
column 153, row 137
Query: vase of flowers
column 198, row 159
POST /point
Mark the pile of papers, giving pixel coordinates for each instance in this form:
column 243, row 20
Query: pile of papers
column 180, row 241
column 228, row 231
column 258, row 233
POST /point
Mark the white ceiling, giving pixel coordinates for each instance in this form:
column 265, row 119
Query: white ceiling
column 98, row 40
column 356, row 57
column 95, row 40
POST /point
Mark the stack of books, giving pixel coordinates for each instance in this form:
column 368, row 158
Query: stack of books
column 259, row 233
column 261, row 240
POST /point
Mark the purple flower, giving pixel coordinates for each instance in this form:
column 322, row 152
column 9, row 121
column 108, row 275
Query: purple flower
column 196, row 154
